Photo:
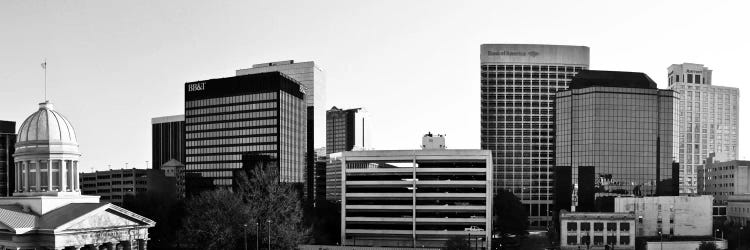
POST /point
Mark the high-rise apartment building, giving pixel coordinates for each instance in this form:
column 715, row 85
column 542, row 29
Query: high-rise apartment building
column 708, row 120
column 7, row 148
column 168, row 139
column 346, row 130
column 518, row 86
column 229, row 119
column 621, row 126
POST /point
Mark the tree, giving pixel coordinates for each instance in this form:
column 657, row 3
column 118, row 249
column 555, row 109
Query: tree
column 509, row 215
column 213, row 220
column 268, row 199
column 458, row 242
column 707, row 246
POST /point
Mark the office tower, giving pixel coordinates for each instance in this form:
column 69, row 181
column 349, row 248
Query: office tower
column 347, row 130
column 309, row 75
column 227, row 119
column 167, row 139
column 708, row 119
column 518, row 85
column 620, row 125
column 405, row 198
column 7, row 148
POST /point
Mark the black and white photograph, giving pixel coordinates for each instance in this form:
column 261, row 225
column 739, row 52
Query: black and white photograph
column 374, row 125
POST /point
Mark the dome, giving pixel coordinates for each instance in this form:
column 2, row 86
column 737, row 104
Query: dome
column 46, row 125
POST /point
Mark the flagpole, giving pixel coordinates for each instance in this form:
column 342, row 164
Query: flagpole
column 45, row 79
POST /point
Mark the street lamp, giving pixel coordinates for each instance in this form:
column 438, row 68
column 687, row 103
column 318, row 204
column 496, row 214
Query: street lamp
column 269, row 234
column 244, row 226
column 661, row 243
column 257, row 235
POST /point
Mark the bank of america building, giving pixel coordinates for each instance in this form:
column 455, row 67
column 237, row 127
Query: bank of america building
column 708, row 120
column 519, row 82
column 230, row 118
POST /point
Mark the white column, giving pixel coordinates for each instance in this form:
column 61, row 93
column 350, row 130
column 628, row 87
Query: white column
column 71, row 177
column 25, row 176
column 49, row 175
column 63, row 176
column 76, row 178
column 17, row 176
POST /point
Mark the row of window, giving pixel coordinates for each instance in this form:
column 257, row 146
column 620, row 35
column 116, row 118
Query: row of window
column 231, row 133
column 230, row 100
column 229, row 125
column 233, row 108
column 532, row 67
column 231, row 149
column 233, row 116
column 225, row 141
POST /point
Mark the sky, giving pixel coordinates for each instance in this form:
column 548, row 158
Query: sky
column 113, row 65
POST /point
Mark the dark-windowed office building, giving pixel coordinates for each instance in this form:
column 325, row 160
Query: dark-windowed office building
column 615, row 136
column 167, row 139
column 229, row 119
column 7, row 148
column 518, row 86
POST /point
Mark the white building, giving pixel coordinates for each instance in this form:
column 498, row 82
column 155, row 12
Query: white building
column 47, row 210
column 408, row 198
column 708, row 120
column 580, row 230
column 669, row 215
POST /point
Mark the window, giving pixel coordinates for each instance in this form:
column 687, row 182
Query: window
column 585, row 226
column 598, row 240
column 690, row 78
column 598, row 227
column 697, row 78
column 677, row 78
column 611, row 226
column 624, row 226
column 572, row 226
column 572, row 240
column 624, row 240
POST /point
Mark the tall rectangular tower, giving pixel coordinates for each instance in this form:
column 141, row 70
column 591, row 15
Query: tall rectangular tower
column 346, row 130
column 621, row 128
column 230, row 118
column 7, row 148
column 518, row 85
column 167, row 139
column 708, row 120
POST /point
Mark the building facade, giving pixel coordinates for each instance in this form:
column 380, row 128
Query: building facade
column 347, row 130
column 7, row 148
column 113, row 186
column 723, row 179
column 227, row 119
column 620, row 126
column 738, row 209
column 333, row 177
column 708, row 120
column 47, row 210
column 518, row 86
column 408, row 198
column 581, row 230
column 669, row 215
column 167, row 139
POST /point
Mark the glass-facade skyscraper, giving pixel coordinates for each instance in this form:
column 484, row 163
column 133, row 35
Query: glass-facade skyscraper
column 167, row 139
column 708, row 119
column 518, row 86
column 232, row 118
column 347, row 130
column 620, row 124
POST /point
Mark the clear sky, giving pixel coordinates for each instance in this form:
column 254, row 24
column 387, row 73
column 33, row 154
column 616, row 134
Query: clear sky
column 113, row 65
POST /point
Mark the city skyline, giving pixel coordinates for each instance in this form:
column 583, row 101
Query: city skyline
column 113, row 67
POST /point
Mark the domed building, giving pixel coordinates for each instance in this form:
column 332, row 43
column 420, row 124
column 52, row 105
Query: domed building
column 47, row 210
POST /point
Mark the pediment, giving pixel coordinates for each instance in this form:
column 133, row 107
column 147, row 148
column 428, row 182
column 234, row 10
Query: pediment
column 106, row 217
column 101, row 219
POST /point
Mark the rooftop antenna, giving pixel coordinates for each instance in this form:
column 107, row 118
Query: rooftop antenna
column 44, row 66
